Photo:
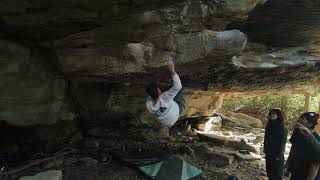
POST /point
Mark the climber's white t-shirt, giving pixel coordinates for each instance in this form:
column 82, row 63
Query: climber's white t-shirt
column 166, row 110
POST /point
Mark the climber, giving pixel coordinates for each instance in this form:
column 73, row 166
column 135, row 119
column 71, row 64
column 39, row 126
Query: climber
column 166, row 106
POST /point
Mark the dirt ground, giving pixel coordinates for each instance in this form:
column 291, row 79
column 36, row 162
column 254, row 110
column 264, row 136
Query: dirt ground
column 99, row 163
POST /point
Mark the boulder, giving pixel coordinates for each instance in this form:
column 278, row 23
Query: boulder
column 89, row 161
column 187, row 150
column 202, row 148
column 203, row 104
column 224, row 141
column 47, row 175
column 219, row 160
column 239, row 119
column 54, row 163
column 209, row 123
column 141, row 57
column 31, row 86
column 246, row 157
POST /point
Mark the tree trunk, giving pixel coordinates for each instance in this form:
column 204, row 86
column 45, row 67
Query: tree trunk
column 306, row 102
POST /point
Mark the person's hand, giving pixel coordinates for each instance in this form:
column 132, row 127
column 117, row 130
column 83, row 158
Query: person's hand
column 171, row 66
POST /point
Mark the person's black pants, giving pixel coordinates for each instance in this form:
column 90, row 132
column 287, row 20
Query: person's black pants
column 180, row 100
column 274, row 167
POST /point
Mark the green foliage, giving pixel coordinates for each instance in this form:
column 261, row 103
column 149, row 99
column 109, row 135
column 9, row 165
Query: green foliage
column 292, row 105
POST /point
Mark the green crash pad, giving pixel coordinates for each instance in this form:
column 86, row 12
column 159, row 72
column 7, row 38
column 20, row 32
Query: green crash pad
column 173, row 168
column 156, row 163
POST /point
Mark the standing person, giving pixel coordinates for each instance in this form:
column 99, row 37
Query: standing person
column 274, row 144
column 311, row 140
column 166, row 106
column 302, row 161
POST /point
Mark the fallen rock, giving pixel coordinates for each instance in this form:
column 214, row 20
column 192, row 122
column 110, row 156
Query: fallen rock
column 47, row 175
column 187, row 150
column 227, row 133
column 201, row 148
column 246, row 157
column 213, row 139
column 217, row 159
column 160, row 132
column 53, row 164
column 209, row 123
column 89, row 161
column 239, row 119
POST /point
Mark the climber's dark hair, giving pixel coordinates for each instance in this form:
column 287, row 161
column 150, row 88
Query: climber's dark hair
column 152, row 89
